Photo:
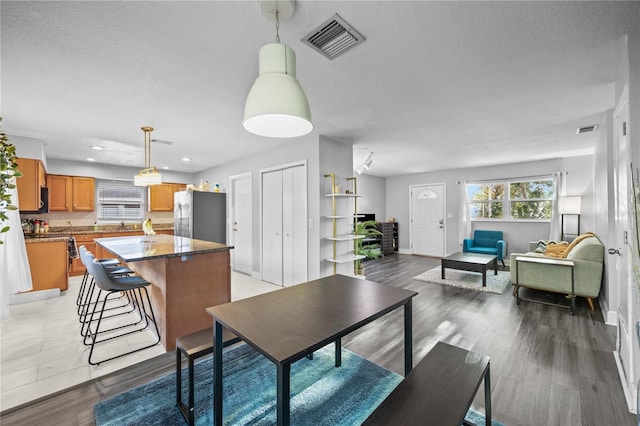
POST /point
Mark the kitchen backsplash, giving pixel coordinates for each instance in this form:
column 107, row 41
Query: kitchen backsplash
column 62, row 219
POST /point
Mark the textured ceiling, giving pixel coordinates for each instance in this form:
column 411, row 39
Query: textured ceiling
column 436, row 85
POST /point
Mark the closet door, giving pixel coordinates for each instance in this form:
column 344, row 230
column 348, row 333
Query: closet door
column 272, row 227
column 294, row 229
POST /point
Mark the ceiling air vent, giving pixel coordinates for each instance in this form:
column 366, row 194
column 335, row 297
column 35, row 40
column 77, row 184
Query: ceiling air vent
column 587, row 129
column 333, row 37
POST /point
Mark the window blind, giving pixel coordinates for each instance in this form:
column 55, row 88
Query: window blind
column 120, row 201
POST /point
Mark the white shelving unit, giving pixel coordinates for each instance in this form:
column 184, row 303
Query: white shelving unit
column 348, row 256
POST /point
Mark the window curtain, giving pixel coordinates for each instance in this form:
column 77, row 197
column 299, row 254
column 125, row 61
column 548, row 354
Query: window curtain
column 464, row 221
column 555, row 230
column 13, row 251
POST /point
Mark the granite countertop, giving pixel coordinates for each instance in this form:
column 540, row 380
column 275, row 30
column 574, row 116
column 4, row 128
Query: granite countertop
column 135, row 248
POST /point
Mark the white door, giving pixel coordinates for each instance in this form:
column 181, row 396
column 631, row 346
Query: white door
column 272, row 227
column 284, row 231
column 427, row 220
column 241, row 224
column 294, row 214
column 627, row 307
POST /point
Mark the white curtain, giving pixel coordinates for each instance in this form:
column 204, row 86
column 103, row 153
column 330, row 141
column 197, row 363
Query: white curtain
column 464, row 221
column 555, row 230
column 15, row 275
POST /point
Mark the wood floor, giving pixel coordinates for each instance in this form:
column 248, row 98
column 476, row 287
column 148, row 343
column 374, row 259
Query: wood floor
column 547, row 367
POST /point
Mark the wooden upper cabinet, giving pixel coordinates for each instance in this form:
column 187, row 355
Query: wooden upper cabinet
column 30, row 184
column 161, row 196
column 71, row 193
column 60, row 197
column 83, row 190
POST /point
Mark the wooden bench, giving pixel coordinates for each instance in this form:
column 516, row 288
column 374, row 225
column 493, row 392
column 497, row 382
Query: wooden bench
column 438, row 391
column 193, row 346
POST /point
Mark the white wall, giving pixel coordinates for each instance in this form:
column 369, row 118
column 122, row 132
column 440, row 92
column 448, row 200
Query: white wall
column 374, row 196
column 29, row 148
column 301, row 149
column 517, row 234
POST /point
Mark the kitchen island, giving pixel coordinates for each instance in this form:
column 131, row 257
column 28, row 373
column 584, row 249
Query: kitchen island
column 186, row 275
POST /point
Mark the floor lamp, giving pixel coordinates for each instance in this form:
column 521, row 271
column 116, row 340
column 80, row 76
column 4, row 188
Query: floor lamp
column 569, row 206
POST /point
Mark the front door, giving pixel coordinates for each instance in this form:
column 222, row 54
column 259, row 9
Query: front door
column 427, row 220
column 627, row 348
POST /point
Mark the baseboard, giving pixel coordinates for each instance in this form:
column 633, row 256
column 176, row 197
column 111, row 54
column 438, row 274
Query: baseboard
column 628, row 393
column 33, row 296
column 404, row 251
column 610, row 317
column 256, row 275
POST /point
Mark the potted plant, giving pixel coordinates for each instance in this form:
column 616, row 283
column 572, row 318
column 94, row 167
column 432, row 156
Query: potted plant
column 368, row 229
column 8, row 170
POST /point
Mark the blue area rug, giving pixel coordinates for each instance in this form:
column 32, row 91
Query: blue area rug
column 321, row 394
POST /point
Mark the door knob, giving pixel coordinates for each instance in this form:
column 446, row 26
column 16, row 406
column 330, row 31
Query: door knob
column 615, row 251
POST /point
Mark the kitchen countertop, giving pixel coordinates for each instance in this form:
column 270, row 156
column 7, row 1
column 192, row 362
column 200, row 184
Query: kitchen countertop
column 135, row 248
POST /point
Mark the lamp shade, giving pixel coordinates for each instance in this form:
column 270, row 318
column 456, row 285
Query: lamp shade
column 276, row 106
column 147, row 177
column 569, row 205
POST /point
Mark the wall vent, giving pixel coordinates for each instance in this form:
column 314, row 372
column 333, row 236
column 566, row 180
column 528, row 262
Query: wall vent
column 160, row 141
column 587, row 129
column 333, row 37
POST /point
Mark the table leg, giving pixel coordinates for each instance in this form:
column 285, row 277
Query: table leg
column 442, row 268
column 408, row 338
column 338, row 344
column 495, row 266
column 217, row 377
column 484, row 276
column 487, row 396
column 284, row 394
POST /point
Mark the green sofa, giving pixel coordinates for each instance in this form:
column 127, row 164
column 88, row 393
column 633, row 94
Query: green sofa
column 588, row 257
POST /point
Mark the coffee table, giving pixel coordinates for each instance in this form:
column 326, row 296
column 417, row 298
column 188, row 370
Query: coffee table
column 289, row 324
column 473, row 262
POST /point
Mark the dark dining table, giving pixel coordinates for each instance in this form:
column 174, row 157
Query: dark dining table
column 289, row 324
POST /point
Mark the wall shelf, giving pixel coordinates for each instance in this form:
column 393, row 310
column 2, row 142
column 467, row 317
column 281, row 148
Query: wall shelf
column 336, row 238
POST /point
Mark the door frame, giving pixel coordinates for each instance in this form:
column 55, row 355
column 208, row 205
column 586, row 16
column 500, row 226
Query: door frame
column 302, row 163
column 444, row 214
column 232, row 180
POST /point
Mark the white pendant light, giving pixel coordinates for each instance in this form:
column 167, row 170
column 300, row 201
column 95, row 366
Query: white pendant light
column 276, row 106
column 149, row 175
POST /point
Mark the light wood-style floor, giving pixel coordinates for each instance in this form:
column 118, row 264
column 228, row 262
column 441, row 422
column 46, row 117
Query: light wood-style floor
column 547, row 367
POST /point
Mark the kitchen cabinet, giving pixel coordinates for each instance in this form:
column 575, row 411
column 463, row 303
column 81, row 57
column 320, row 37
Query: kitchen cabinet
column 71, row 193
column 161, row 196
column 48, row 262
column 30, row 184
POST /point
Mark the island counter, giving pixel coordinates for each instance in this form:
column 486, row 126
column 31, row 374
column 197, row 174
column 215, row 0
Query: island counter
column 186, row 275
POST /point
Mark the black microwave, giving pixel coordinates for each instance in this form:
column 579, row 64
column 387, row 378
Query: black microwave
column 44, row 208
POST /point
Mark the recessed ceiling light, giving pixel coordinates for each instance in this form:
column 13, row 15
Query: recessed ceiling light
column 97, row 148
column 165, row 168
column 91, row 159
column 186, row 159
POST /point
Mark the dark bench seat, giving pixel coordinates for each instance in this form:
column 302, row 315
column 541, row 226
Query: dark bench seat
column 438, row 391
column 194, row 346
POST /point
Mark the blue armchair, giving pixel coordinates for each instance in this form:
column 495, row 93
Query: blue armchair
column 486, row 242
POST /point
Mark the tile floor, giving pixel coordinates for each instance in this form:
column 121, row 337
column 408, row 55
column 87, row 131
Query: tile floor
column 41, row 350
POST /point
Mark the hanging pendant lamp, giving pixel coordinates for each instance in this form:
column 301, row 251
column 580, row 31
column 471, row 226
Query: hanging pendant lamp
column 276, row 106
column 149, row 175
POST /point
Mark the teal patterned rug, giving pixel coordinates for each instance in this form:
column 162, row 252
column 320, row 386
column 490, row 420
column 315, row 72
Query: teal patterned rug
column 321, row 394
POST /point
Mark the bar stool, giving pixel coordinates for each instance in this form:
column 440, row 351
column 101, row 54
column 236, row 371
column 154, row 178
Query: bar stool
column 134, row 287
column 88, row 286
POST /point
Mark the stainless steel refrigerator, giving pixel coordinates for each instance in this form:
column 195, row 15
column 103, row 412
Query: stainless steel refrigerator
column 200, row 215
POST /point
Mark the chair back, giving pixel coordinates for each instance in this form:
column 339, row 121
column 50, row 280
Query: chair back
column 83, row 253
column 99, row 273
column 483, row 238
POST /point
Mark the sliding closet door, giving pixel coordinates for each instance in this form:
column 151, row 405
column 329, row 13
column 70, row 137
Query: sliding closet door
column 294, row 213
column 272, row 227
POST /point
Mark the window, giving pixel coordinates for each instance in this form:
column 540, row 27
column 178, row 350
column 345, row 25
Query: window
column 118, row 201
column 511, row 200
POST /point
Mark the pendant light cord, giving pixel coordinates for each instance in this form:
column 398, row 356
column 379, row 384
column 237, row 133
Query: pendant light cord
column 277, row 26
